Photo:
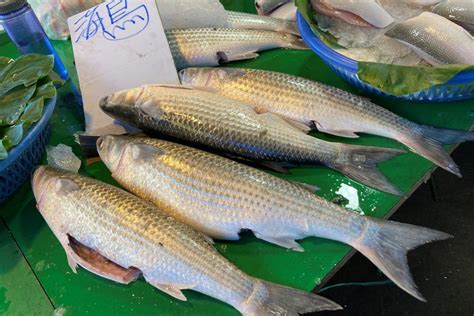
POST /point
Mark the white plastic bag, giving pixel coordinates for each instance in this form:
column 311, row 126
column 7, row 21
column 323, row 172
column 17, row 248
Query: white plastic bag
column 53, row 14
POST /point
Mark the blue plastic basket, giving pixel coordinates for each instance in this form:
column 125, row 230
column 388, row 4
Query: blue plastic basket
column 22, row 158
column 458, row 88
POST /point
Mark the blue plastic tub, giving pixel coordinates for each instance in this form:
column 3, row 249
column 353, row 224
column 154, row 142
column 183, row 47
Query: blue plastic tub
column 23, row 158
column 458, row 88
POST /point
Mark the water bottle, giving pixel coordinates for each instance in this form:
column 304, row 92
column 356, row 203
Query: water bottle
column 25, row 30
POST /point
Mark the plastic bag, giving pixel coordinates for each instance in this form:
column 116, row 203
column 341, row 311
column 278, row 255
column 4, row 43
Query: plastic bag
column 53, row 14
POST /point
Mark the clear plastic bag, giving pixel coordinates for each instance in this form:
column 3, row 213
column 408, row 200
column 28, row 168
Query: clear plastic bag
column 53, row 14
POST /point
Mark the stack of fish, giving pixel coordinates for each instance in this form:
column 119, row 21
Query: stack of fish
column 185, row 197
column 439, row 37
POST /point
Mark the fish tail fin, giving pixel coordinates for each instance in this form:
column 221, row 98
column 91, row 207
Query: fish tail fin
column 386, row 244
column 431, row 149
column 447, row 136
column 360, row 163
column 268, row 299
column 295, row 42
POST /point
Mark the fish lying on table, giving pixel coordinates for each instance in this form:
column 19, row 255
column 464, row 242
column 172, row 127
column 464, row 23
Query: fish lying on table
column 118, row 236
column 329, row 109
column 196, row 47
column 435, row 39
column 363, row 13
column 235, row 128
column 242, row 20
column 220, row 197
column 458, row 11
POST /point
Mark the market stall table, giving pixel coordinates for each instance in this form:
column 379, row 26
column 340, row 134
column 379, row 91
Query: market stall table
column 34, row 274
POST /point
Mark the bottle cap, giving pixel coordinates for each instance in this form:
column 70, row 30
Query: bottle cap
column 9, row 6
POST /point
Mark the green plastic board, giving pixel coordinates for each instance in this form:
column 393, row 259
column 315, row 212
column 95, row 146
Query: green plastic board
column 86, row 294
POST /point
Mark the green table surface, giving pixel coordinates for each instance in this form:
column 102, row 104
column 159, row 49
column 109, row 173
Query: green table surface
column 35, row 278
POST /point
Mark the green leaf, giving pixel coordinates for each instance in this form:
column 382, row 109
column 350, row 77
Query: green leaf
column 402, row 80
column 307, row 11
column 26, row 71
column 13, row 104
column 12, row 136
column 34, row 109
column 3, row 152
column 4, row 62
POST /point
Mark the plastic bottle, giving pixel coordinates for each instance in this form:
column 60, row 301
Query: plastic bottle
column 25, row 30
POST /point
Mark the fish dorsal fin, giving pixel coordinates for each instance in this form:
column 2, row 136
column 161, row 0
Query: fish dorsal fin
column 145, row 151
column 66, row 186
column 96, row 263
column 152, row 109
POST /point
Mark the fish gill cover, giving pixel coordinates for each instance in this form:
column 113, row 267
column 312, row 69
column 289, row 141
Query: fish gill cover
column 397, row 80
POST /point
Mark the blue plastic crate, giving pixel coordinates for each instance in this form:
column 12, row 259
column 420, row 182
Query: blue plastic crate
column 24, row 157
column 459, row 87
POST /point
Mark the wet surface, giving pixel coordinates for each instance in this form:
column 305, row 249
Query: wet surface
column 443, row 270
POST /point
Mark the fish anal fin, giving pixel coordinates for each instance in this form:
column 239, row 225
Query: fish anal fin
column 309, row 187
column 145, row 151
column 173, row 290
column 96, row 263
column 225, row 57
column 335, row 131
column 284, row 242
column 298, row 125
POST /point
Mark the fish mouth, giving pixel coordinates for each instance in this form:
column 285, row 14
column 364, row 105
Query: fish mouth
column 39, row 184
column 104, row 102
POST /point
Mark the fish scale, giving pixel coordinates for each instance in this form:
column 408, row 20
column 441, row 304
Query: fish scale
column 220, row 197
column 171, row 256
column 202, row 46
column 255, row 22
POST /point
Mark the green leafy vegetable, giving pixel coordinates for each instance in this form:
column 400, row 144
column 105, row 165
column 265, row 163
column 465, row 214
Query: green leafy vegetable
column 307, row 11
column 26, row 71
column 13, row 104
column 26, row 84
column 402, row 80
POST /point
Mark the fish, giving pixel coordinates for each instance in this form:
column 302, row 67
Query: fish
column 285, row 12
column 266, row 7
column 422, row 3
column 256, row 22
column 362, row 13
column 197, row 47
column 435, row 39
column 459, row 11
column 326, row 108
column 121, row 237
column 220, row 197
column 235, row 128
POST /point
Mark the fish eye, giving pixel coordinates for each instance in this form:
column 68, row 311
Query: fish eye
column 100, row 143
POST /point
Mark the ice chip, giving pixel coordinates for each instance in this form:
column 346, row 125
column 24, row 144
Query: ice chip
column 62, row 157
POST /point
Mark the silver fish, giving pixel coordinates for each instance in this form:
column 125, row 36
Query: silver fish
column 266, row 7
column 214, row 46
column 120, row 237
column 236, row 128
column 330, row 110
column 221, row 197
column 362, row 13
column 458, row 11
column 242, row 20
column 435, row 39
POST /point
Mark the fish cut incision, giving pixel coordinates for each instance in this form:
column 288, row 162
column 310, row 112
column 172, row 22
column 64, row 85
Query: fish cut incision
column 94, row 262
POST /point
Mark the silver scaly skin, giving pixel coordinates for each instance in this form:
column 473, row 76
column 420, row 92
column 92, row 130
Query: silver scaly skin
column 435, row 39
column 256, row 22
column 220, row 197
column 129, row 234
column 458, row 11
column 196, row 47
column 329, row 109
column 236, row 128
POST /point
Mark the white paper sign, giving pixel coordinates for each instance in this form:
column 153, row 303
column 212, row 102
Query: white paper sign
column 118, row 45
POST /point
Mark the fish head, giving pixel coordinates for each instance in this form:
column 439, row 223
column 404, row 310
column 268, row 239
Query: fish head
column 122, row 103
column 202, row 77
column 266, row 7
column 111, row 149
column 40, row 183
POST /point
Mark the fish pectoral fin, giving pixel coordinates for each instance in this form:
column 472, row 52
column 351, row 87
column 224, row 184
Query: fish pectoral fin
column 96, row 263
column 145, row 151
column 208, row 239
column 173, row 290
column 225, row 57
column 152, row 109
column 65, row 186
column 311, row 188
column 287, row 243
